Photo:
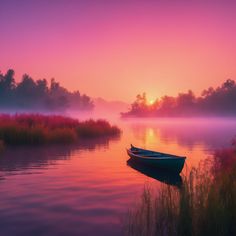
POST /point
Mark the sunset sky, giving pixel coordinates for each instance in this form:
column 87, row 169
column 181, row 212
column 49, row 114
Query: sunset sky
column 116, row 49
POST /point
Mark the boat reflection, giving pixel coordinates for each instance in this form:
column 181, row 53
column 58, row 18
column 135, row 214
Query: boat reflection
column 166, row 177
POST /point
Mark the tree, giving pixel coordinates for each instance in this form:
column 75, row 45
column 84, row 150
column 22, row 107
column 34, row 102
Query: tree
column 31, row 94
column 9, row 80
column 228, row 84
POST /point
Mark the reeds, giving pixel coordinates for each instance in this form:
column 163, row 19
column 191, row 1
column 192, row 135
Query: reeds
column 204, row 205
column 91, row 128
column 1, row 146
column 42, row 129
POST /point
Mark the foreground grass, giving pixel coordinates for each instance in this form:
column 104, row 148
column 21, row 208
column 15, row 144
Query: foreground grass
column 204, row 205
column 1, row 146
column 42, row 129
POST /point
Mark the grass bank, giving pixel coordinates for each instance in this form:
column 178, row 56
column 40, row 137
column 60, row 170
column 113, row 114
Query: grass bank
column 41, row 129
column 204, row 205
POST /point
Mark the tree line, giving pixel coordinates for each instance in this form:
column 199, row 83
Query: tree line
column 220, row 101
column 31, row 94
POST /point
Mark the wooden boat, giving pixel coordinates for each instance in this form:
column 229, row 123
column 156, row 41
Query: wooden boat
column 160, row 160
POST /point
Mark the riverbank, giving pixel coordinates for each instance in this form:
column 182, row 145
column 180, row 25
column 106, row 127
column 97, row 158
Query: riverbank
column 204, row 205
column 34, row 129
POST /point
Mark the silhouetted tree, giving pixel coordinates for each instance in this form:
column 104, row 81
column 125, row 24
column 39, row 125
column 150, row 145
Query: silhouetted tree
column 7, row 87
column 30, row 94
column 218, row 102
column 9, row 81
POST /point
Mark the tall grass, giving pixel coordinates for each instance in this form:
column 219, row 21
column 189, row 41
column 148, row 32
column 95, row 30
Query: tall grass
column 91, row 128
column 40, row 129
column 1, row 146
column 204, row 205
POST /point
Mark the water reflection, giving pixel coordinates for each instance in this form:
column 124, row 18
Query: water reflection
column 155, row 173
column 85, row 189
column 188, row 133
column 41, row 157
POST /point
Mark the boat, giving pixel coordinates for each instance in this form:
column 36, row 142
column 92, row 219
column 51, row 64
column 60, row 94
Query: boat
column 159, row 160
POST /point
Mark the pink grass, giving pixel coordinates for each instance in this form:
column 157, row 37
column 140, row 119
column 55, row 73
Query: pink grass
column 39, row 129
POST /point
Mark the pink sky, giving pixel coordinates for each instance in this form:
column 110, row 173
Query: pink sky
column 116, row 49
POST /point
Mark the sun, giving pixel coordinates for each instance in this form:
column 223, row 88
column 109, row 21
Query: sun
column 151, row 102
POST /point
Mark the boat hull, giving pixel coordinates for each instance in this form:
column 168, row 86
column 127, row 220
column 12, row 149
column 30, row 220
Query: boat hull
column 170, row 164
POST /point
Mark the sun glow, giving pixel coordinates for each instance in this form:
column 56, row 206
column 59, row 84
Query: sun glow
column 151, row 102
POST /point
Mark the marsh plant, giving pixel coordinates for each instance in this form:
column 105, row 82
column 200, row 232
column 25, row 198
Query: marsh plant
column 205, row 204
column 42, row 129
column 1, row 146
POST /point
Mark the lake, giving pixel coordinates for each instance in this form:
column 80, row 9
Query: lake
column 87, row 189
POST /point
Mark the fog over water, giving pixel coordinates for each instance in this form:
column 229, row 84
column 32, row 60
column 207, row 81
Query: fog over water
column 86, row 189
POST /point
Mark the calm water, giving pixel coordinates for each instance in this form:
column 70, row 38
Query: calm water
column 87, row 189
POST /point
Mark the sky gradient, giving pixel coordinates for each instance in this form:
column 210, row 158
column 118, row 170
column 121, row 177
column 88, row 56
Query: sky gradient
column 116, row 49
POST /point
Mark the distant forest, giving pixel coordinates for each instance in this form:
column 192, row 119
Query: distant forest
column 31, row 94
column 220, row 101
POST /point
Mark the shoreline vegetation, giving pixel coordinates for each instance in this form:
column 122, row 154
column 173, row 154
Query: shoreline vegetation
column 39, row 95
column 1, row 146
column 213, row 102
column 205, row 204
column 36, row 129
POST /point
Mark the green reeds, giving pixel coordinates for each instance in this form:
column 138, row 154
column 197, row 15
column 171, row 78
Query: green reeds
column 41, row 129
column 204, row 205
